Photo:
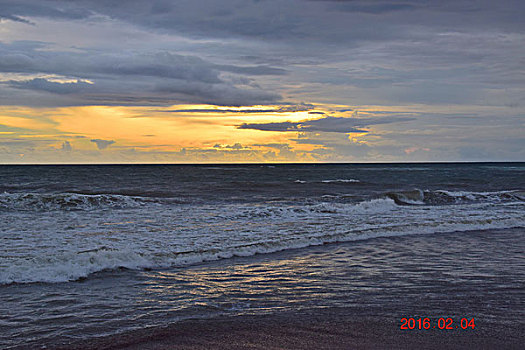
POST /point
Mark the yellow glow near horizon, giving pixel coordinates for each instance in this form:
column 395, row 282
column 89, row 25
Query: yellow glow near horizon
column 168, row 129
column 25, row 123
column 141, row 126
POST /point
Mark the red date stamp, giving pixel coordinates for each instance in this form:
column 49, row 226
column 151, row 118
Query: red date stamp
column 439, row 323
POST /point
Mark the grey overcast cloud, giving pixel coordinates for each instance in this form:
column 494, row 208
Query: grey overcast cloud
column 167, row 81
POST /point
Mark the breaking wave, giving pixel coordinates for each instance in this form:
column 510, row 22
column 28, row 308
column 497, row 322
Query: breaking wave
column 68, row 201
column 246, row 230
column 340, row 181
column 442, row 197
column 89, row 201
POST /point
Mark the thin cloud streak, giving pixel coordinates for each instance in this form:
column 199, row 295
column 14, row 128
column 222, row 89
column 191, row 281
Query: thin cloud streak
column 327, row 124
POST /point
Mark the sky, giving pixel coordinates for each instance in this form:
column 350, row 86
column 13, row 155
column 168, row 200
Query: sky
column 206, row 81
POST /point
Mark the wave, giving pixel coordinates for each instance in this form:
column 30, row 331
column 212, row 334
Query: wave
column 76, row 200
column 443, row 197
column 129, row 193
column 68, row 201
column 330, row 181
column 209, row 232
column 72, row 266
column 247, row 230
column 81, row 265
column 372, row 206
column 340, row 181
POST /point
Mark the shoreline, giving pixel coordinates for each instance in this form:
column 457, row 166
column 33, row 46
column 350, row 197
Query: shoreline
column 420, row 282
column 321, row 329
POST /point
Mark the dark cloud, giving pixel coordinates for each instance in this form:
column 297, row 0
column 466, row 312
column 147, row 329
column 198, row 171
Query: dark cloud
column 282, row 126
column 235, row 146
column 218, row 94
column 437, row 51
column 279, row 146
column 51, row 86
column 378, row 8
column 300, row 23
column 15, row 9
column 22, row 57
column 165, row 78
column 327, row 124
column 219, row 111
column 103, row 144
column 14, row 18
column 281, row 109
column 163, row 64
column 279, row 20
column 252, row 70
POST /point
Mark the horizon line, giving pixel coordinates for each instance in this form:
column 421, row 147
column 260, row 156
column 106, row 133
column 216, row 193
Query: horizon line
column 270, row 163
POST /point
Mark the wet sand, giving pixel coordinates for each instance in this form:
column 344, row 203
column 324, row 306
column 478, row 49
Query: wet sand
column 439, row 276
column 329, row 329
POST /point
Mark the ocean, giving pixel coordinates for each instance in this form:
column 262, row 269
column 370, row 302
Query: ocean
column 94, row 250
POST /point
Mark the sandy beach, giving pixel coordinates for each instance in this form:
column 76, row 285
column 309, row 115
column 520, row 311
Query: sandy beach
column 330, row 329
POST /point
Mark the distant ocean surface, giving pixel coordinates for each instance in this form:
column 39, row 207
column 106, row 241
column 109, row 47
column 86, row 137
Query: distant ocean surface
column 93, row 250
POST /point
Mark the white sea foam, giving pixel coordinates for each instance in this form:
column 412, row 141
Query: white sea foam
column 68, row 245
column 340, row 181
column 331, row 181
column 68, row 201
column 70, row 266
column 492, row 196
column 379, row 205
column 439, row 197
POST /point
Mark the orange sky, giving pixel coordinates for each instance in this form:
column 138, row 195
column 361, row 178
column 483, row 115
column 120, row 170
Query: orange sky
column 155, row 132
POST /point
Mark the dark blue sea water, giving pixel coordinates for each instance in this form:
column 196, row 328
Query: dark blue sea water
column 87, row 251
